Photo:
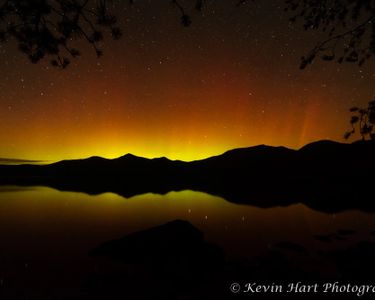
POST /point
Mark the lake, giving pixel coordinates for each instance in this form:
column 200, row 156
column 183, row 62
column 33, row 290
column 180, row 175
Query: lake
column 46, row 234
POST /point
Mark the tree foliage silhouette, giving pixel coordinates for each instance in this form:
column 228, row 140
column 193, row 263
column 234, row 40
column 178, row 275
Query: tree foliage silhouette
column 350, row 27
column 46, row 28
column 363, row 120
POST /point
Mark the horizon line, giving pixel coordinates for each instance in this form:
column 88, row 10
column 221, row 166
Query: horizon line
column 4, row 160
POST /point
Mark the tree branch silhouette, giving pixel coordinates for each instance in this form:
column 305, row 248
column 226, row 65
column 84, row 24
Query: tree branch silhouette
column 364, row 120
column 350, row 26
column 46, row 28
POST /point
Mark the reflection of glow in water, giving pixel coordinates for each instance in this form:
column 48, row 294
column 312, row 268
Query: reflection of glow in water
column 44, row 215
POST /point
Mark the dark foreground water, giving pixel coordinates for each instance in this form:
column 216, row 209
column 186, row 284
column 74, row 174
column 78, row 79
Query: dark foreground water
column 45, row 234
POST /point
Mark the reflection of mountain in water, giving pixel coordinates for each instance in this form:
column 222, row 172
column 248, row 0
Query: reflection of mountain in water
column 325, row 175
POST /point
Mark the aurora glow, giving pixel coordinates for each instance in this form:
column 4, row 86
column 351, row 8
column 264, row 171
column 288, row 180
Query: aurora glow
column 230, row 80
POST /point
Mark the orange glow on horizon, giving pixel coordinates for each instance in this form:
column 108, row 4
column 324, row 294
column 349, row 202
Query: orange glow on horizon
column 182, row 94
column 179, row 123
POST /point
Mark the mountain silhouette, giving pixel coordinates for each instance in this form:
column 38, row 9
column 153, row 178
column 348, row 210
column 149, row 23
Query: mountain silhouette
column 324, row 175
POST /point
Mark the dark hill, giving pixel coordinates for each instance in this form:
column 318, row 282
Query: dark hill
column 325, row 175
column 251, row 156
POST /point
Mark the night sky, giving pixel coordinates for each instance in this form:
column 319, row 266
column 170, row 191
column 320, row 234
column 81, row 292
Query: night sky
column 231, row 79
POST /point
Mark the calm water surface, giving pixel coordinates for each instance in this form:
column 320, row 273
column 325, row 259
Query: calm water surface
column 49, row 233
